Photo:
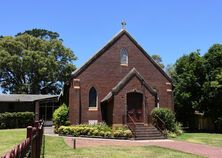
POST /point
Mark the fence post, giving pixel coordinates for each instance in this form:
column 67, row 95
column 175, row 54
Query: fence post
column 34, row 140
column 29, row 135
column 29, row 132
column 31, row 146
column 74, row 143
column 38, row 137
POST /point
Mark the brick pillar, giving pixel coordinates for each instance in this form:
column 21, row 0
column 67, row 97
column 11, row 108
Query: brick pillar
column 74, row 102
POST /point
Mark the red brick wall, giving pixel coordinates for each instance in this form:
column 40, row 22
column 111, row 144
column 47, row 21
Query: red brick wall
column 120, row 100
column 105, row 72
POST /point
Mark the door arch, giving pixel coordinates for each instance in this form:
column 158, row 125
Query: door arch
column 135, row 106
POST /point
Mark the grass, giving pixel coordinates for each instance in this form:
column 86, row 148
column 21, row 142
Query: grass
column 9, row 138
column 202, row 138
column 56, row 147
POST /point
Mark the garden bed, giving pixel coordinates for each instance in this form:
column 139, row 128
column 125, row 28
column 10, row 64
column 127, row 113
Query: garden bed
column 100, row 130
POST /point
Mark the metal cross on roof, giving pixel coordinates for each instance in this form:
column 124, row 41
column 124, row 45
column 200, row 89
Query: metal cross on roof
column 123, row 23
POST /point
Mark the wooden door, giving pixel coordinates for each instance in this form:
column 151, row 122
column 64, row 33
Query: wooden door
column 135, row 106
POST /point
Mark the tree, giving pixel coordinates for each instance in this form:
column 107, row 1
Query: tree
column 198, row 85
column 170, row 69
column 188, row 79
column 212, row 87
column 41, row 33
column 34, row 64
column 158, row 60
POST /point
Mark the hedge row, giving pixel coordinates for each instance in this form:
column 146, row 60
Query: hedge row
column 100, row 129
column 16, row 119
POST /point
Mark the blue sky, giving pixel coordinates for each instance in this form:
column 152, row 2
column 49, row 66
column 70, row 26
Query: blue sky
column 168, row 28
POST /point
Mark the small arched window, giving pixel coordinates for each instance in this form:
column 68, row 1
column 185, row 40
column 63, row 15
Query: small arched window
column 92, row 97
column 123, row 56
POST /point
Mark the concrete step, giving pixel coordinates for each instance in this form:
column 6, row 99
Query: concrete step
column 149, row 138
column 147, row 132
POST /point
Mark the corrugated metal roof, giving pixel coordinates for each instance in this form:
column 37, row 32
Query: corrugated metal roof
column 24, row 97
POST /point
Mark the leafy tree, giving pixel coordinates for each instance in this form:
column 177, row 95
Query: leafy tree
column 33, row 65
column 188, row 79
column 212, row 87
column 198, row 85
column 158, row 60
column 41, row 33
column 170, row 69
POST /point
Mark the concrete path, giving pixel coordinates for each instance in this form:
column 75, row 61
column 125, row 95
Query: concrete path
column 197, row 149
column 49, row 130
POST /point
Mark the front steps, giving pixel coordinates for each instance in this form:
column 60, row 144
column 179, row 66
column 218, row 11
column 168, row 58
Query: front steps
column 150, row 132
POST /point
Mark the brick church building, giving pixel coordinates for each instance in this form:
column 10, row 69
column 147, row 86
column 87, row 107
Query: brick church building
column 121, row 83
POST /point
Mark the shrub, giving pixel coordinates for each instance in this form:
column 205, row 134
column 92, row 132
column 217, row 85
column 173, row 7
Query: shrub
column 60, row 117
column 16, row 119
column 168, row 118
column 166, row 115
column 107, row 134
column 121, row 133
column 171, row 135
column 100, row 129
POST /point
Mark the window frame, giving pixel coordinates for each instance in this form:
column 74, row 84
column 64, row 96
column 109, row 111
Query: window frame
column 124, row 54
column 93, row 108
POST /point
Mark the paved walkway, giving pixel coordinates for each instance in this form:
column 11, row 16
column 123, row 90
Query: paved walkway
column 197, row 149
column 49, row 130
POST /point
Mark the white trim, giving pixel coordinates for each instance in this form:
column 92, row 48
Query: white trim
column 169, row 90
column 124, row 64
column 76, row 87
column 76, row 79
column 93, row 108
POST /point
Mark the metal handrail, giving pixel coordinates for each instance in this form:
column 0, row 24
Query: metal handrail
column 157, row 123
column 134, row 124
column 131, row 119
column 161, row 120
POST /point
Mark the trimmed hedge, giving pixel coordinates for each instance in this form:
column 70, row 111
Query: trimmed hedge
column 16, row 119
column 100, row 129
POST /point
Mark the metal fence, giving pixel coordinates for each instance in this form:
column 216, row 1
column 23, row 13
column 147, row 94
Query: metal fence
column 32, row 146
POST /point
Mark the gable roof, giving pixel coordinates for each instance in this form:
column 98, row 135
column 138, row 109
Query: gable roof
column 25, row 97
column 108, row 45
column 124, row 81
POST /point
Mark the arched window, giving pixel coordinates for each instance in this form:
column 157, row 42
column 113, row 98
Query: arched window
column 92, row 97
column 123, row 56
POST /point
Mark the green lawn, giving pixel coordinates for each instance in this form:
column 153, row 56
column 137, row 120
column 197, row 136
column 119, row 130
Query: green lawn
column 10, row 138
column 56, row 147
column 202, row 138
